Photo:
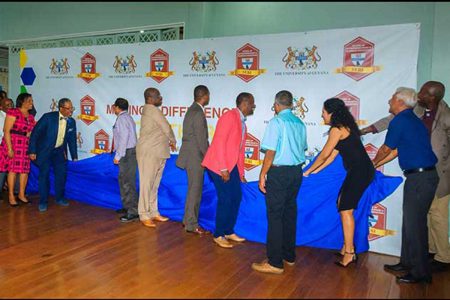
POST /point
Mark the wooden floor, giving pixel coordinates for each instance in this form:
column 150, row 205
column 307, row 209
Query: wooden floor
column 83, row 251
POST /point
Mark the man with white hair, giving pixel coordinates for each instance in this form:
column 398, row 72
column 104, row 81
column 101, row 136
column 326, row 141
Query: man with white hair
column 408, row 138
column 435, row 114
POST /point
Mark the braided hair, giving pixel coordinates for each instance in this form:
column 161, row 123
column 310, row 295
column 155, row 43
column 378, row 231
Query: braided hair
column 340, row 115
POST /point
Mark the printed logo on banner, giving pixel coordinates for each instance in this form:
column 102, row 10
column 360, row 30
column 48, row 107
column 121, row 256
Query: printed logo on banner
column 359, row 59
column 299, row 107
column 53, row 105
column 101, row 142
column 204, row 64
column 353, row 104
column 301, row 59
column 159, row 66
column 377, row 223
column 252, row 149
column 88, row 68
column 125, row 65
column 247, row 63
column 87, row 105
column 372, row 152
column 310, row 154
column 59, row 68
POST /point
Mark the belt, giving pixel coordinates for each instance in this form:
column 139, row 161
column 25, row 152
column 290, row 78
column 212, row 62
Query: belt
column 418, row 170
column 280, row 166
column 18, row 132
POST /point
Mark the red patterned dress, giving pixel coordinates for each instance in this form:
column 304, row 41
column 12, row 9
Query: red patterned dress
column 20, row 163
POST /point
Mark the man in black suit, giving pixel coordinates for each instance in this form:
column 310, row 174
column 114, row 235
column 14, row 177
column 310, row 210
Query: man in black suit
column 48, row 147
column 193, row 149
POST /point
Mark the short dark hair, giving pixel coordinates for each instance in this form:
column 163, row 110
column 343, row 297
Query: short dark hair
column 63, row 101
column 200, row 91
column 243, row 97
column 3, row 101
column 150, row 93
column 21, row 99
column 121, row 103
column 3, row 94
column 284, row 98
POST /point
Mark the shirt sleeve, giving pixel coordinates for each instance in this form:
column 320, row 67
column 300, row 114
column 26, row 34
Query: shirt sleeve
column 393, row 135
column 13, row 112
column 120, row 138
column 271, row 136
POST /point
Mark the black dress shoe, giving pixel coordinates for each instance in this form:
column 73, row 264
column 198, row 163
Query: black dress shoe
column 396, row 268
column 408, row 278
column 437, row 266
column 128, row 218
column 121, row 211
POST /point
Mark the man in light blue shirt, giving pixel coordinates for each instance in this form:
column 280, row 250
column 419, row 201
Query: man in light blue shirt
column 281, row 176
column 124, row 136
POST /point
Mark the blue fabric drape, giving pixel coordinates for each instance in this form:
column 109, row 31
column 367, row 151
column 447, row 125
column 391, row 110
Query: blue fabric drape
column 94, row 181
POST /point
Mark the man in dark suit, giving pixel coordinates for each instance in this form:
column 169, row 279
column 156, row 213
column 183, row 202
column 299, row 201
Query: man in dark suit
column 193, row 149
column 48, row 147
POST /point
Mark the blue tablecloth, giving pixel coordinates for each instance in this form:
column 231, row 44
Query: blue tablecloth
column 94, row 181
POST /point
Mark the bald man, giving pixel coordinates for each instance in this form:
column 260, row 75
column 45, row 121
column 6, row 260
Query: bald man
column 435, row 114
column 152, row 151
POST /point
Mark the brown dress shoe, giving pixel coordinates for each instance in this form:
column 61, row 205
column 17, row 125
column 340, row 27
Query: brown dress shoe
column 149, row 223
column 234, row 237
column 199, row 231
column 222, row 242
column 265, row 267
column 160, row 219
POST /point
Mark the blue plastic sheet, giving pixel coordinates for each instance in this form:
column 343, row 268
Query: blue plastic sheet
column 94, row 181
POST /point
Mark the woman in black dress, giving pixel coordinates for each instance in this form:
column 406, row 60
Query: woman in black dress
column 344, row 138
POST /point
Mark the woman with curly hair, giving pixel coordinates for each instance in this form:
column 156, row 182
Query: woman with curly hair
column 344, row 139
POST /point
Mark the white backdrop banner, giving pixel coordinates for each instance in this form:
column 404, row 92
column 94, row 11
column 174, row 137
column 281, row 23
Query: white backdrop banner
column 362, row 66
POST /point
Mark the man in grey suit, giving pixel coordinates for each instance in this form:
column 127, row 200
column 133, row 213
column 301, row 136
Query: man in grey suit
column 152, row 151
column 435, row 115
column 193, row 149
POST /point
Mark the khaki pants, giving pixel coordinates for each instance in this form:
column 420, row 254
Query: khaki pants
column 150, row 173
column 438, row 229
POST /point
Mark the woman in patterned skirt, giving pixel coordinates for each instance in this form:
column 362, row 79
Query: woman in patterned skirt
column 14, row 147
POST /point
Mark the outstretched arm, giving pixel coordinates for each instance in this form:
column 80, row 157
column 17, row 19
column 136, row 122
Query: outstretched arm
column 382, row 154
column 392, row 154
column 333, row 139
column 329, row 160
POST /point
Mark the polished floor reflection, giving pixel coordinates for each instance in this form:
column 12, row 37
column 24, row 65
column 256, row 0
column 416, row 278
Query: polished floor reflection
column 83, row 251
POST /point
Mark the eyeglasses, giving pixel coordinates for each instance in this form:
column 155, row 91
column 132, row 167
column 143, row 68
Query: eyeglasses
column 72, row 109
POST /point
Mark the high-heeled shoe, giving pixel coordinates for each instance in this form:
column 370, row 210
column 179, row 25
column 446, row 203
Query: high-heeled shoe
column 23, row 201
column 354, row 260
column 13, row 204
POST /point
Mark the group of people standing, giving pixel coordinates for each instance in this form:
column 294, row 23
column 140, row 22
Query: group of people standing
column 419, row 135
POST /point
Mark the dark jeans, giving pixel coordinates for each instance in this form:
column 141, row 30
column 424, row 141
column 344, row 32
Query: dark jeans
column 58, row 162
column 418, row 193
column 229, row 195
column 127, row 181
column 282, row 186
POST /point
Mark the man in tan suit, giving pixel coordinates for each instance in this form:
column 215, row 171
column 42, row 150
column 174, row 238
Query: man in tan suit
column 193, row 149
column 152, row 151
column 435, row 115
